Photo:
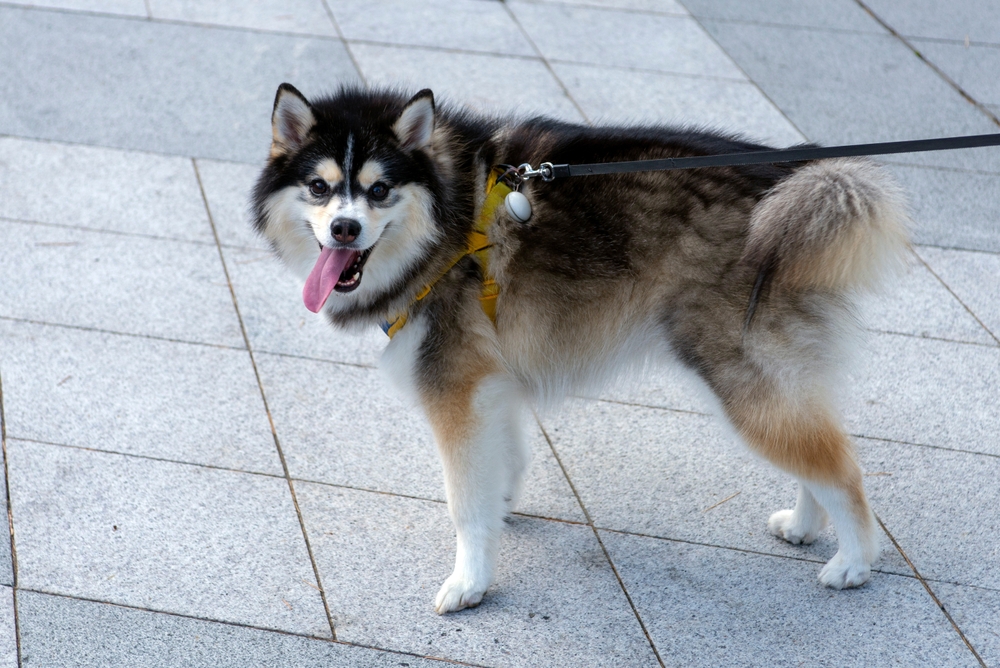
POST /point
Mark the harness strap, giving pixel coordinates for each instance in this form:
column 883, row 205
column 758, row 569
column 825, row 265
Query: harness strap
column 478, row 244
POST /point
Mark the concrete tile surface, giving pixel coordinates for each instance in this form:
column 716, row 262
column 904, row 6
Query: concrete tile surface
column 940, row 507
column 972, row 277
column 968, row 66
column 330, row 419
column 159, row 399
column 927, row 18
column 124, row 7
column 555, row 602
column 466, row 25
column 75, row 277
column 926, row 391
column 99, row 188
column 484, row 82
column 276, row 320
column 298, row 16
column 8, row 632
column 840, row 87
column 171, row 537
column 808, row 13
column 61, row 632
column 227, row 187
column 632, row 96
column 193, row 91
column 680, row 476
column 722, row 607
column 657, row 42
column 975, row 610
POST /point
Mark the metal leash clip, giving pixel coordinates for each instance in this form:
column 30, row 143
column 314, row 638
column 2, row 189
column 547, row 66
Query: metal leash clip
column 526, row 171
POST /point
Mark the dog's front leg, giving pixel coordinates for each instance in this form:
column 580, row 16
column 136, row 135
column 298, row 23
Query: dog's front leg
column 475, row 423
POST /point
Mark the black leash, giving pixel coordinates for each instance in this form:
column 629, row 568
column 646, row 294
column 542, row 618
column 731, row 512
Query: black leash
column 548, row 172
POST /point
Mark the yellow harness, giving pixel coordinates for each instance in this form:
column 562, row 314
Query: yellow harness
column 477, row 244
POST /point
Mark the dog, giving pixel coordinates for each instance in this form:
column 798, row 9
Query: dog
column 385, row 205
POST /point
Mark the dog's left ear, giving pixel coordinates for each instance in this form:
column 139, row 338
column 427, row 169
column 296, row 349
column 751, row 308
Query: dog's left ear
column 416, row 124
column 291, row 120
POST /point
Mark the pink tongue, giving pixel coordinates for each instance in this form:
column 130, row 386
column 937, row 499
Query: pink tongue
column 323, row 277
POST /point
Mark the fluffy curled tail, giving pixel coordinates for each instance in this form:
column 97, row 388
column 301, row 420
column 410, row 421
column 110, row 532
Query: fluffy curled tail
column 835, row 225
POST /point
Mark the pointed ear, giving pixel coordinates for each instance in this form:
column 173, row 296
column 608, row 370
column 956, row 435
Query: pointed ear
column 291, row 120
column 416, row 123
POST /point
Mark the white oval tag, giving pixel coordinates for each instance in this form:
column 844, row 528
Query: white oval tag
column 518, row 207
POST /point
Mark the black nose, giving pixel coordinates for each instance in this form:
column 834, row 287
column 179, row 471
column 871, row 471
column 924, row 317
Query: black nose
column 345, row 230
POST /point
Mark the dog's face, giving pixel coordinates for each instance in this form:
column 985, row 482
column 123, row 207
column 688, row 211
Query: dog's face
column 345, row 198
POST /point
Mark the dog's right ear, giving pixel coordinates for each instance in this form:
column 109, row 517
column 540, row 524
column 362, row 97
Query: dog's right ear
column 291, row 120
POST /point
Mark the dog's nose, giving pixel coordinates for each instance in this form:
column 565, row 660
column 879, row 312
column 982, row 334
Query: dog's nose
column 345, row 230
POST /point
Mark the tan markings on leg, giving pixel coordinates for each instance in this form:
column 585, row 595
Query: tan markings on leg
column 806, row 441
column 449, row 405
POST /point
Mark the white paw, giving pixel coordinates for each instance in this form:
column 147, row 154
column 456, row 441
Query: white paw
column 784, row 524
column 842, row 572
column 458, row 593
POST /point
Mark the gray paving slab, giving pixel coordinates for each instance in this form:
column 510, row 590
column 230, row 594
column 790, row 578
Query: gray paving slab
column 662, row 43
column 972, row 67
column 345, row 425
column 659, row 6
column 975, row 610
column 633, row 96
column 484, row 82
column 952, row 208
column 927, row 18
column 926, row 391
column 192, row 90
column 124, row 7
column 202, row 542
column 467, row 25
column 227, row 187
column 680, row 476
column 943, row 507
column 8, row 632
column 99, row 188
column 838, row 15
column 708, row 606
column 297, row 16
column 665, row 385
column 140, row 396
column 842, row 87
column 60, row 632
column 270, row 300
column 555, row 602
column 973, row 278
column 136, row 285
column 918, row 303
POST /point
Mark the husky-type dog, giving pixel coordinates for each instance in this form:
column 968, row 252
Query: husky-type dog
column 747, row 275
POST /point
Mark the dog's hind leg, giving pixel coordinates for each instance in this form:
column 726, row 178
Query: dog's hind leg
column 478, row 431
column 802, row 436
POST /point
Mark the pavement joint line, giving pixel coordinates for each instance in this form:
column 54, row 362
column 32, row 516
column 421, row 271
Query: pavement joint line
column 560, row 83
column 347, row 46
column 991, row 346
column 104, row 230
column 947, row 79
column 241, row 625
column 133, row 455
column 456, row 50
column 309, row 358
column 267, row 408
column 950, row 40
column 930, row 591
column 10, row 524
column 750, row 79
column 927, row 445
column 600, row 541
column 955, row 295
column 955, row 248
column 890, row 160
column 149, row 9
column 794, row 26
column 646, row 70
column 605, row 8
column 112, row 332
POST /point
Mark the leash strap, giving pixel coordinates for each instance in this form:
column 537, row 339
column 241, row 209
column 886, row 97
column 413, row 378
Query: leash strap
column 548, row 171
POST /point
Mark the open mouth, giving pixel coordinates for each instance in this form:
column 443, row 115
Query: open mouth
column 337, row 269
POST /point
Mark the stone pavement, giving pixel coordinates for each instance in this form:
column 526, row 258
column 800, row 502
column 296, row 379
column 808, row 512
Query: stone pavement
column 185, row 488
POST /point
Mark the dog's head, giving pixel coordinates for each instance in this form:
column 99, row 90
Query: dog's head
column 346, row 198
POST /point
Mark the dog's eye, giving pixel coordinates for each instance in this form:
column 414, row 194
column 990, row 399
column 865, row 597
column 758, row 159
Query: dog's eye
column 318, row 187
column 379, row 191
